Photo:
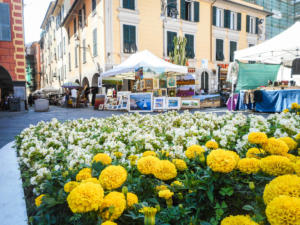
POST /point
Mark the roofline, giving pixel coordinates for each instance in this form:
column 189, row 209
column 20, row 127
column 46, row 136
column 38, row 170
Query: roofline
column 47, row 14
column 69, row 12
column 268, row 13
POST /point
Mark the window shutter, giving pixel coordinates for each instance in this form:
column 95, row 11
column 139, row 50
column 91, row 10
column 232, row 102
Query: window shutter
column 125, row 38
column 239, row 21
column 5, row 31
column 170, row 38
column 132, row 39
column 227, row 18
column 248, row 24
column 182, row 9
column 132, row 6
column 214, row 15
column 256, row 25
column 196, row 11
column 190, row 46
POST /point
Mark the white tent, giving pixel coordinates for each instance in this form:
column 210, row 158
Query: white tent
column 144, row 59
column 282, row 48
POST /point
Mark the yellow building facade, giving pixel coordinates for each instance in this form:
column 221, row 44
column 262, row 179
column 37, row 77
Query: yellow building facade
column 96, row 35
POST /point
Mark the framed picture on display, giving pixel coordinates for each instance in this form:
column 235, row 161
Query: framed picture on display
column 171, row 82
column 159, row 103
column 172, row 92
column 164, row 92
column 148, row 83
column 141, row 102
column 100, row 101
column 173, row 103
column 142, row 85
column 190, row 103
column 155, row 84
column 162, row 83
column 156, row 93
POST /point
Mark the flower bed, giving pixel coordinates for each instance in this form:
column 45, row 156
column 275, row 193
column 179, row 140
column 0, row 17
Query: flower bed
column 163, row 169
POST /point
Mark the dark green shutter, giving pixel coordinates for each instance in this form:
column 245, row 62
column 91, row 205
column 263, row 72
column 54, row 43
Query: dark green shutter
column 233, row 48
column 248, row 24
column 182, row 9
column 126, row 38
column 227, row 18
column 190, row 53
column 219, row 50
column 239, row 21
column 214, row 15
column 132, row 39
column 256, row 25
column 128, row 4
column 132, row 6
column 196, row 11
column 170, row 38
column 129, row 39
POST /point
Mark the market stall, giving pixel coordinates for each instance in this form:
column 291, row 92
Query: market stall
column 151, row 83
column 267, row 85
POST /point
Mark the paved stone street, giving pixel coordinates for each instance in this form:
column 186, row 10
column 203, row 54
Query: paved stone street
column 12, row 123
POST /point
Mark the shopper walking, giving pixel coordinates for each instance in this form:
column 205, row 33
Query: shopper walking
column 74, row 97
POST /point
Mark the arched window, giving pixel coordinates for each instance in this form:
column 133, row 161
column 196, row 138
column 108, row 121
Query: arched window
column 204, row 81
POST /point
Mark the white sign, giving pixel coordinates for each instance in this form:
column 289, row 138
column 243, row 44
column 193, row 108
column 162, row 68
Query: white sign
column 99, row 81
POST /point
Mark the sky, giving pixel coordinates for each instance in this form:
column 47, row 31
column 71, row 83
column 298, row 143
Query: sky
column 34, row 12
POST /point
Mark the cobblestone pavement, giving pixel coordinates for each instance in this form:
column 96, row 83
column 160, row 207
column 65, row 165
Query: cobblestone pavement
column 12, row 123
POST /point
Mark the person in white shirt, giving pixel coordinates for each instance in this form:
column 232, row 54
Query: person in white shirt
column 74, row 97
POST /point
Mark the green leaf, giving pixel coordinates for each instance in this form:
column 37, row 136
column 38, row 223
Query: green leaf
column 248, row 208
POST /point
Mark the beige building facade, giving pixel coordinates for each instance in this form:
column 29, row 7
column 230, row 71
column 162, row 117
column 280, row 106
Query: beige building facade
column 92, row 36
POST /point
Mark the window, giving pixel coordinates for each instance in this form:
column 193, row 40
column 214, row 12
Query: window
column 95, row 53
column 68, row 35
column 189, row 10
column 129, row 4
column 129, row 39
column 70, row 63
column 189, row 48
column 219, row 50
column 172, row 8
column 84, row 51
column 233, row 48
column 75, row 25
column 5, row 33
column 170, row 42
column 219, row 17
column 252, row 25
column 250, row 45
column 64, row 45
column 76, row 61
column 83, row 15
column 93, row 5
column 233, row 20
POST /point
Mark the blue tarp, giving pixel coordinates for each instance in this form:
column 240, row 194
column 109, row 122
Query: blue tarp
column 277, row 101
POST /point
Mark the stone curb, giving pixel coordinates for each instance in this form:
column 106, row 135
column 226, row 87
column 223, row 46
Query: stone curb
column 12, row 202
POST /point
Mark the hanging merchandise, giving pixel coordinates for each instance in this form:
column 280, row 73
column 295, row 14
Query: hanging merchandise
column 296, row 67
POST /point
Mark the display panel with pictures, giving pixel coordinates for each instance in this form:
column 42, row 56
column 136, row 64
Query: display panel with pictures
column 155, row 84
column 162, row 83
column 190, row 103
column 171, row 82
column 159, row 103
column 173, row 103
column 148, row 84
column 140, row 102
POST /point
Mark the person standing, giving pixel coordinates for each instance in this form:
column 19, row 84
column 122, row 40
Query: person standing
column 30, row 100
column 67, row 97
column 74, row 97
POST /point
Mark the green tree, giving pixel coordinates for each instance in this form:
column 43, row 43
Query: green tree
column 178, row 56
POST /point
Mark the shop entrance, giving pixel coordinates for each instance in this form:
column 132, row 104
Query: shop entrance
column 6, row 85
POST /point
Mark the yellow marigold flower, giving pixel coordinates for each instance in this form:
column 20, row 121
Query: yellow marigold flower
column 84, row 174
column 161, row 187
column 165, row 170
column 177, row 183
column 276, row 165
column 290, row 142
column 149, row 153
column 165, row 153
column 211, row 145
column 92, row 180
column 180, row 164
column 294, row 105
column 70, row 186
column 297, row 167
column 149, row 213
column 249, row 165
column 284, row 210
column 255, row 153
column 166, row 194
column 276, row 147
column 221, row 161
column 85, row 197
column 146, row 165
column 291, row 157
column 285, row 110
column 113, row 177
column 109, row 223
column 194, row 151
column 238, row 220
column 257, row 138
column 132, row 159
column 288, row 185
column 297, row 137
column 132, row 199
column 118, row 154
column 103, row 158
column 39, row 200
column 113, row 206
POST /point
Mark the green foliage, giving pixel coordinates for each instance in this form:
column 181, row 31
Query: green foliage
column 178, row 56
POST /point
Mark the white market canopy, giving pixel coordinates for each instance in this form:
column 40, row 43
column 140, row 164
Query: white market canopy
column 282, row 48
column 144, row 59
